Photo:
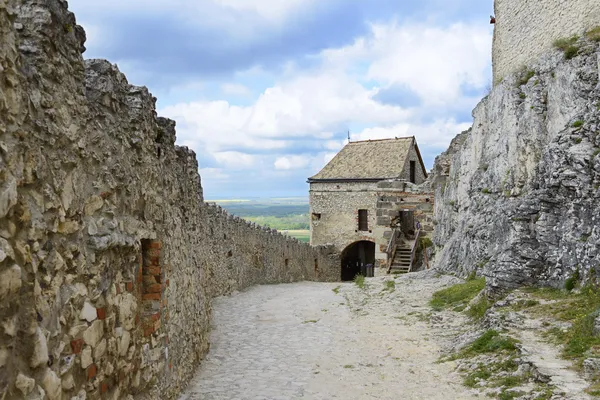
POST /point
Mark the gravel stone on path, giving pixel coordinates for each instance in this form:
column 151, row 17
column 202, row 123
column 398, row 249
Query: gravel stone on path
column 304, row 341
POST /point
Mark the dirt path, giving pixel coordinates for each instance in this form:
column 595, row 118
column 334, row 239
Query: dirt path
column 306, row 341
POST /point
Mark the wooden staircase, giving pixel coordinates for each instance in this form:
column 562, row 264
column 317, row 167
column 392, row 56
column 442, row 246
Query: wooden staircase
column 401, row 252
column 402, row 258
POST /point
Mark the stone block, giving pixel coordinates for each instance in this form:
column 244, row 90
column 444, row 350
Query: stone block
column 40, row 350
column 94, row 333
column 384, row 221
column 77, row 346
column 88, row 312
column 52, row 385
column 10, row 281
column 101, row 313
column 91, row 372
column 24, row 384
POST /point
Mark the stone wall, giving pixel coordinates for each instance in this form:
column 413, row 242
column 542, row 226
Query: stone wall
column 338, row 205
column 525, row 29
column 394, row 197
column 108, row 256
column 335, row 206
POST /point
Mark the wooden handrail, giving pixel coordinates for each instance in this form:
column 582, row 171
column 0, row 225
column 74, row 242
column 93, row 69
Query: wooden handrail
column 414, row 248
column 391, row 249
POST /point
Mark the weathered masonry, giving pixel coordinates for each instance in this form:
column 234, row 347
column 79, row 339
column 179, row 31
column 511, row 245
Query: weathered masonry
column 525, row 29
column 109, row 257
column 362, row 194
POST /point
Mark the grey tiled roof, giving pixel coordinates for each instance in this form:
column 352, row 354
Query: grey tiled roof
column 371, row 159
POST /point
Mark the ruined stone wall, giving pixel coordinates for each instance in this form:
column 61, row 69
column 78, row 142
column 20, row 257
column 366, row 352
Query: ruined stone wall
column 394, row 197
column 108, row 256
column 525, row 29
column 338, row 204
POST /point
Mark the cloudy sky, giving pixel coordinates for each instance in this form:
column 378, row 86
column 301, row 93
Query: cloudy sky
column 265, row 91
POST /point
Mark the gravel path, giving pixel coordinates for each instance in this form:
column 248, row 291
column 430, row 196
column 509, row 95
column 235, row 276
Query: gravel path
column 306, row 341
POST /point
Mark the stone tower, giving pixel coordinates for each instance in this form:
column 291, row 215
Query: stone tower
column 525, row 29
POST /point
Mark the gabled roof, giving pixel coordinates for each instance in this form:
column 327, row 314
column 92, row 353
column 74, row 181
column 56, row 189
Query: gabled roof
column 369, row 160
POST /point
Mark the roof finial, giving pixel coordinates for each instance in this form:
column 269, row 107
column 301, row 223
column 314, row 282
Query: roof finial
column 348, row 135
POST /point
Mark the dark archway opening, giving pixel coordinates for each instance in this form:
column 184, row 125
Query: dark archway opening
column 355, row 259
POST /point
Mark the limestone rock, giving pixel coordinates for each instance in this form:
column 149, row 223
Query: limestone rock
column 517, row 194
column 88, row 312
column 6, row 251
column 127, row 311
column 24, row 384
column 124, row 343
column 100, row 350
column 4, row 355
column 94, row 333
column 10, row 326
column 10, row 281
column 591, row 367
column 40, row 350
column 52, row 385
column 92, row 205
column 68, row 383
column 8, row 195
column 86, row 357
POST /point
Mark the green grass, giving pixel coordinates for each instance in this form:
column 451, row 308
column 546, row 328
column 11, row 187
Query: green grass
column 300, row 234
column 525, row 76
column 348, row 366
column 425, row 242
column 489, row 342
column 336, row 290
column 577, row 123
column 593, row 34
column 458, row 296
column 578, row 308
column 390, row 285
column 568, row 46
column 311, row 321
column 478, row 309
column 359, row 280
column 485, row 191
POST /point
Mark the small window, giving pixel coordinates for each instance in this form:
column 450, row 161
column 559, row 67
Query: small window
column 316, row 216
column 363, row 220
column 287, row 262
column 413, row 172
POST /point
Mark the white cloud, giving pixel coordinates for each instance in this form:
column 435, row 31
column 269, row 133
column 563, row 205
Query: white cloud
column 436, row 134
column 235, row 89
column 292, row 162
column 435, row 63
column 235, row 159
column 214, row 174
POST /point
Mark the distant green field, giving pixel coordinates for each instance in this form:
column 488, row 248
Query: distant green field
column 283, row 214
column 302, row 235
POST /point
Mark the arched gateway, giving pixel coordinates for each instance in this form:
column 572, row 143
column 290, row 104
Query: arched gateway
column 356, row 257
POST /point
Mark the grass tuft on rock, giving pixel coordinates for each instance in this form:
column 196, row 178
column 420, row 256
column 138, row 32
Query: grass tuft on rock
column 568, row 46
column 359, row 280
column 593, row 34
column 490, row 342
column 479, row 308
column 458, row 296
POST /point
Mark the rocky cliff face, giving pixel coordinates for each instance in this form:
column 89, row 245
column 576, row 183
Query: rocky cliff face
column 518, row 195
